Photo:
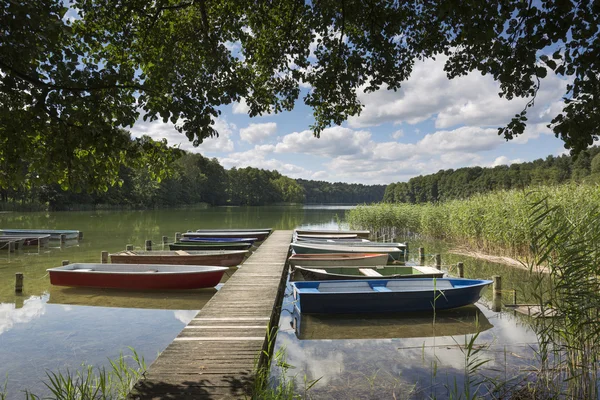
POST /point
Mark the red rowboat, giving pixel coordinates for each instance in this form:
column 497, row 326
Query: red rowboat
column 136, row 276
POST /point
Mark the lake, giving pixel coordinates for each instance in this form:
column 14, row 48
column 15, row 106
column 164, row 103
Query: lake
column 58, row 329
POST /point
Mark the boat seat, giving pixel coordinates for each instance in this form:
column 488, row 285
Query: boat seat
column 344, row 287
column 369, row 272
column 308, row 290
column 319, row 270
column 381, row 289
column 411, row 284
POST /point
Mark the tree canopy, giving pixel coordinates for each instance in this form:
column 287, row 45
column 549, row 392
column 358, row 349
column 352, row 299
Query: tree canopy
column 68, row 85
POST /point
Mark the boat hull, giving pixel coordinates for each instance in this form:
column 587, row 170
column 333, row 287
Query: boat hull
column 338, row 259
column 209, row 246
column 394, row 254
column 260, row 235
column 358, row 233
column 218, row 240
column 309, row 274
column 54, row 234
column 223, row 259
column 350, row 297
column 136, row 277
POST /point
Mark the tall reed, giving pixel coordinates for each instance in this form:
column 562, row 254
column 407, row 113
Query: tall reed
column 493, row 222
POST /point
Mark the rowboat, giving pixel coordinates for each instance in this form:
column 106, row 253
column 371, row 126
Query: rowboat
column 362, row 244
column 326, row 240
column 338, row 259
column 259, row 235
column 55, row 234
column 325, row 274
column 218, row 240
column 361, row 234
column 379, row 295
column 236, row 230
column 223, row 258
column 136, row 276
column 458, row 321
column 395, row 254
column 329, row 236
column 209, row 246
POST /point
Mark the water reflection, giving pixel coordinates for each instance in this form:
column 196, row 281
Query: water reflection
column 460, row 321
column 164, row 300
column 14, row 313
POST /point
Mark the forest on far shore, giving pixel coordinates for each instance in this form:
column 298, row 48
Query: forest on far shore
column 194, row 179
column 197, row 179
column 464, row 182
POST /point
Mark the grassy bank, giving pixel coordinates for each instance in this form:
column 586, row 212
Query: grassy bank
column 498, row 223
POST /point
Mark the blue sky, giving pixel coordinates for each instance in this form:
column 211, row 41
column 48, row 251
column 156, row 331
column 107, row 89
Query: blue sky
column 431, row 123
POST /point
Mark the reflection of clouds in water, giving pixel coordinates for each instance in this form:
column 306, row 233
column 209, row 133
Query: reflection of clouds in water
column 185, row 316
column 34, row 307
column 407, row 360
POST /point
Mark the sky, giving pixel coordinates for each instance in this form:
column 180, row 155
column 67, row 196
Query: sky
column 431, row 123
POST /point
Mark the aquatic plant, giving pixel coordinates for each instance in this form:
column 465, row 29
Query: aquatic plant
column 267, row 386
column 494, row 222
column 93, row 383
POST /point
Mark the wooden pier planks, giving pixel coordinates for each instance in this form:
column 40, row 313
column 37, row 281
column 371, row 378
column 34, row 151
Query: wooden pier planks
column 215, row 355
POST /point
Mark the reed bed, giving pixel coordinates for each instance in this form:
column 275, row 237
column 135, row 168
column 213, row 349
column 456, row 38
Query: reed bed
column 496, row 222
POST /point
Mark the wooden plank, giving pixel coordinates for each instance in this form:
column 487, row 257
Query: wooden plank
column 215, row 355
column 368, row 272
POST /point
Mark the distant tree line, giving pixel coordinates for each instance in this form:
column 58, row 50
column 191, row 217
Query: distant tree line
column 464, row 182
column 193, row 179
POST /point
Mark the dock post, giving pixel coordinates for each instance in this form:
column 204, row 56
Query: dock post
column 497, row 289
column 65, row 262
column 129, row 247
column 438, row 261
column 148, row 245
column 422, row 255
column 515, row 296
column 80, row 235
column 165, row 241
column 11, row 247
column 177, row 237
column 63, row 239
column 39, row 245
column 19, row 282
column 461, row 270
column 104, row 257
column 406, row 251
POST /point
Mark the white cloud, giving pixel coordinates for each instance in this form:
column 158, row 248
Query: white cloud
column 256, row 133
column 241, row 108
column 158, row 130
column 334, row 141
column 503, row 160
column 468, row 100
column 398, row 134
column 258, row 157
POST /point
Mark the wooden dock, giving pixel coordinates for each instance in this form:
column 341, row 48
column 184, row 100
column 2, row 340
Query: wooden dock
column 215, row 355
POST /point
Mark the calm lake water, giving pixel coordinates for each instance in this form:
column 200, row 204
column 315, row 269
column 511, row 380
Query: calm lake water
column 54, row 329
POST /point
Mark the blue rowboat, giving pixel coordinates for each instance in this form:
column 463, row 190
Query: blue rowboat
column 218, row 240
column 54, row 233
column 400, row 295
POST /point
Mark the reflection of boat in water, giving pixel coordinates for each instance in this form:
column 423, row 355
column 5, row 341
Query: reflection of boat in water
column 156, row 299
column 458, row 321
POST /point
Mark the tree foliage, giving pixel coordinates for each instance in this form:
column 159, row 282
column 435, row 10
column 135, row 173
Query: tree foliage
column 465, row 182
column 67, row 85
